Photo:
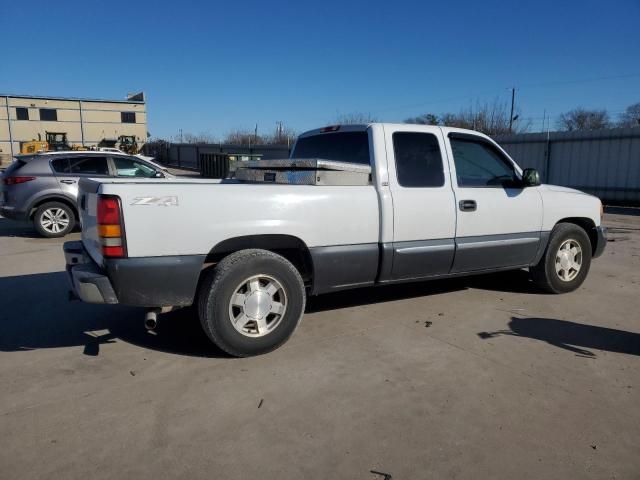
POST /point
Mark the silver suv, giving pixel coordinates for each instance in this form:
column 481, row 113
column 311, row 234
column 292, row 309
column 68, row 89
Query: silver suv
column 43, row 188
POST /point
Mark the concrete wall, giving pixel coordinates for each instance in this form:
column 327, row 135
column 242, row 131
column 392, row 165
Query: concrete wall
column 605, row 163
column 86, row 122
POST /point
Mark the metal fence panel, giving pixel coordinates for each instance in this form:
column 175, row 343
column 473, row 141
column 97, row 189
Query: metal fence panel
column 605, row 163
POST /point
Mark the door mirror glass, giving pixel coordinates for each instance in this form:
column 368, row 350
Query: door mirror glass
column 530, row 177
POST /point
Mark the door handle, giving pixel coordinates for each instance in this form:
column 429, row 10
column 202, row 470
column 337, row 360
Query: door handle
column 68, row 182
column 468, row 205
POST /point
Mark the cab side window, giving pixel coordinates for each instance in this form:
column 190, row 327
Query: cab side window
column 60, row 165
column 479, row 164
column 128, row 167
column 89, row 165
column 418, row 160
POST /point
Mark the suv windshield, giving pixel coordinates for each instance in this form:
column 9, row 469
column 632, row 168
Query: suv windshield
column 341, row 146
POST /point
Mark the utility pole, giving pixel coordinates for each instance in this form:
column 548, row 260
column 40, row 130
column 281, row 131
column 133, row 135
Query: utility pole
column 513, row 102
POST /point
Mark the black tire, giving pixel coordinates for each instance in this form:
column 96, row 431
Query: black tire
column 544, row 274
column 40, row 218
column 220, row 284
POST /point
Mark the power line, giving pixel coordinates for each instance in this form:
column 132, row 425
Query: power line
column 499, row 91
column 582, row 80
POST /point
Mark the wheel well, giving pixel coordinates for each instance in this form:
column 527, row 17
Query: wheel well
column 588, row 226
column 288, row 246
column 64, row 200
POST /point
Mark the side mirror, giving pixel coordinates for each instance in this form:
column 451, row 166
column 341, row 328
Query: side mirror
column 530, row 177
column 158, row 175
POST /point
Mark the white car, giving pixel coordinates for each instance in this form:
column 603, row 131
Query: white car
column 388, row 203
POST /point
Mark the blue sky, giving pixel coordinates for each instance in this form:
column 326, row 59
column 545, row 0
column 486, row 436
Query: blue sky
column 216, row 66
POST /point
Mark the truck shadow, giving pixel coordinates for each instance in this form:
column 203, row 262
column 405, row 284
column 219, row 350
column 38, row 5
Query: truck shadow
column 516, row 281
column 37, row 314
column 571, row 336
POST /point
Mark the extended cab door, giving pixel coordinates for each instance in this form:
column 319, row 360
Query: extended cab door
column 424, row 213
column 498, row 220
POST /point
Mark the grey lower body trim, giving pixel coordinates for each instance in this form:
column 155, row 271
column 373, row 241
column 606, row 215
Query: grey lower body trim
column 155, row 281
column 423, row 258
column 495, row 251
column 544, row 241
column 601, row 235
column 140, row 282
column 344, row 266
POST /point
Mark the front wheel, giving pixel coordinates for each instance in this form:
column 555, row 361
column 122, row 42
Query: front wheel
column 251, row 302
column 566, row 261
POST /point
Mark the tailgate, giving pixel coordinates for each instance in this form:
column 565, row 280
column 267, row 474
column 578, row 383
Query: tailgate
column 87, row 205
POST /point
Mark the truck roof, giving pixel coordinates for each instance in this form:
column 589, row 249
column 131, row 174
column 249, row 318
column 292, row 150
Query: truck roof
column 364, row 126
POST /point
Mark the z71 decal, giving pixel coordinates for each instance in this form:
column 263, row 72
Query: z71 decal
column 171, row 201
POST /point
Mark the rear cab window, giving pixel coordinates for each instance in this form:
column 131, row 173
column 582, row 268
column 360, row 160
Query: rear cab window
column 346, row 146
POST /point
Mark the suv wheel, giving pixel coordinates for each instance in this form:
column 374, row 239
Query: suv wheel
column 565, row 262
column 54, row 219
column 251, row 302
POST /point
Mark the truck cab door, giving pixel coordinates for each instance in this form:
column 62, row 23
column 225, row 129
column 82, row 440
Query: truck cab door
column 424, row 213
column 498, row 219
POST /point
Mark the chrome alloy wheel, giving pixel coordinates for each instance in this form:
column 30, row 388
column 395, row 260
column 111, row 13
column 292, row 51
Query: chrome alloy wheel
column 568, row 260
column 257, row 306
column 54, row 220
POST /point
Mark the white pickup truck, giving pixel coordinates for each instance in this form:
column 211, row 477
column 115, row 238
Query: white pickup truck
column 434, row 202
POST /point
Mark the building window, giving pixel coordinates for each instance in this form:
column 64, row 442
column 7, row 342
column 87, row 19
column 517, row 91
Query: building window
column 128, row 117
column 49, row 114
column 22, row 113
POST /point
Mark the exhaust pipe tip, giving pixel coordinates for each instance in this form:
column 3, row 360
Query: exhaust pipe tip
column 151, row 321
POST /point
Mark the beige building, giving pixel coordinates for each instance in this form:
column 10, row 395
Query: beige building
column 85, row 122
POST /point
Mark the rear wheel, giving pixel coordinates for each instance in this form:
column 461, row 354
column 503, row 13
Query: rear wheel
column 566, row 261
column 251, row 302
column 54, row 219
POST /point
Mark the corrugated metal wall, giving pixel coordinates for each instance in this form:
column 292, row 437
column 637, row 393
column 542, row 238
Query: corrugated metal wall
column 186, row 155
column 605, row 163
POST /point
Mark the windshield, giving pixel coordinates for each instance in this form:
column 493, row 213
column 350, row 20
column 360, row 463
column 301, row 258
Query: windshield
column 341, row 146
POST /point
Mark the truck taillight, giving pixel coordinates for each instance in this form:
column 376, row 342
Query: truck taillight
column 111, row 226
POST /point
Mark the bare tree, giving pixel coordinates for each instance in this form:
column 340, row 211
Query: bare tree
column 631, row 116
column 355, row 118
column 282, row 135
column 202, row 137
column 243, row 137
column 489, row 118
column 425, row 119
column 583, row 119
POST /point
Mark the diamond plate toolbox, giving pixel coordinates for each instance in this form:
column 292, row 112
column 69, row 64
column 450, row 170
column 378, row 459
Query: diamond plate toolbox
column 304, row 171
